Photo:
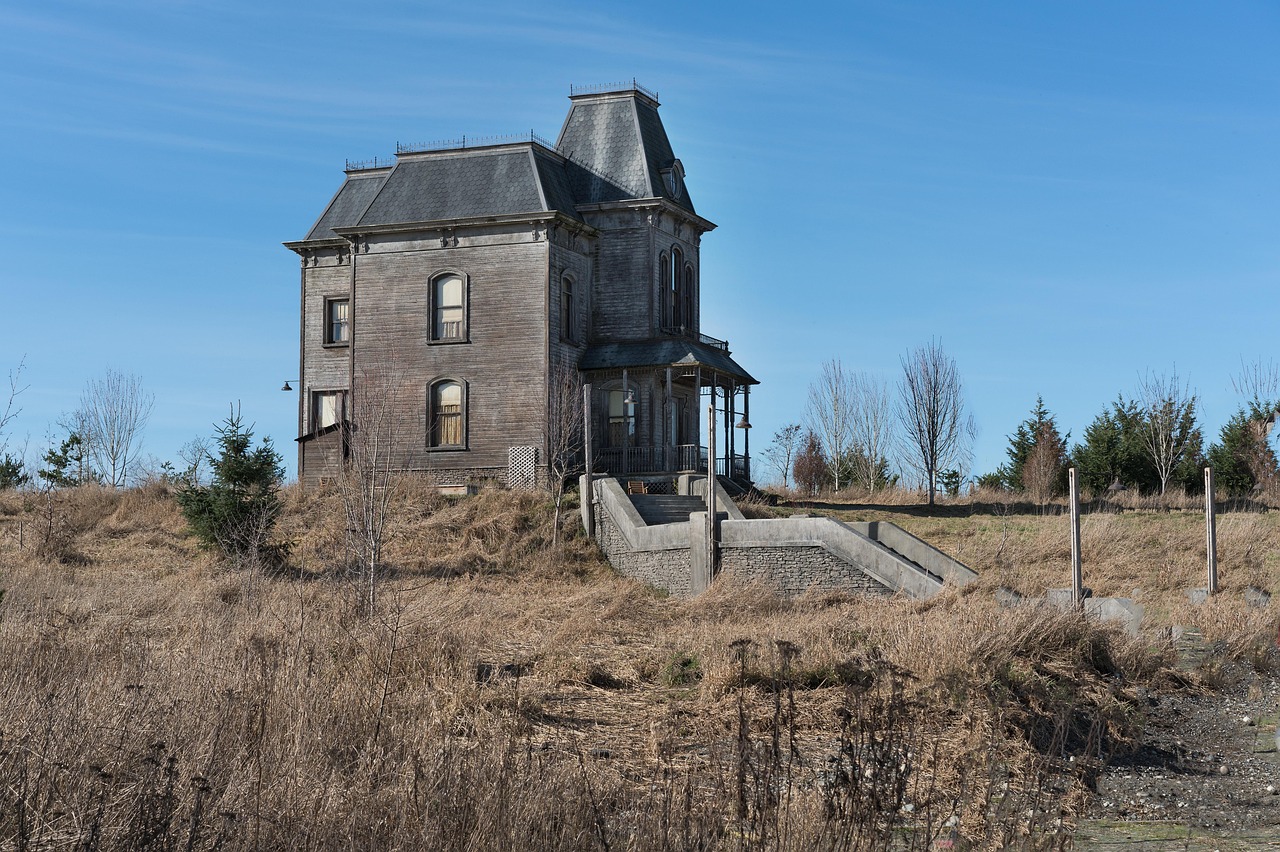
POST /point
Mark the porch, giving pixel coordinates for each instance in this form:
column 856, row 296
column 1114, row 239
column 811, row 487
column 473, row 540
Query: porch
column 653, row 402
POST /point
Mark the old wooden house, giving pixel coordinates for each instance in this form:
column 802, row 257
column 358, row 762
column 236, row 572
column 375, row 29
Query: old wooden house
column 453, row 286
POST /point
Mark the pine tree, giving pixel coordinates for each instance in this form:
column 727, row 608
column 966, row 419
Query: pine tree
column 1041, row 426
column 236, row 511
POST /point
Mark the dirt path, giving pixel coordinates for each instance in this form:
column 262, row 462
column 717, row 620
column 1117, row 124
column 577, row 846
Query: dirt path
column 1207, row 775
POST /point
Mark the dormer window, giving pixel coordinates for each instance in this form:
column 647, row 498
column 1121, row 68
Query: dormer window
column 674, row 178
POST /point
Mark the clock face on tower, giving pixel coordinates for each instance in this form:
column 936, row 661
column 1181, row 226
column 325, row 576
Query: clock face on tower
column 674, row 177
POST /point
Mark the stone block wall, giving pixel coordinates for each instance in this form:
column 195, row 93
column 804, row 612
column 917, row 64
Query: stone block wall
column 666, row 569
column 796, row 569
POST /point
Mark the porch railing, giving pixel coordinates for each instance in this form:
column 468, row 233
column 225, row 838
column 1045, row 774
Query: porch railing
column 619, row 460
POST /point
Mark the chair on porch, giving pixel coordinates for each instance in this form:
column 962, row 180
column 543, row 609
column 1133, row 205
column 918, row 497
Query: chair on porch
column 636, row 486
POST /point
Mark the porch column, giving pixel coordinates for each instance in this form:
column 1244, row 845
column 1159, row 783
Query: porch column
column 746, row 433
column 669, row 446
column 731, row 440
column 626, row 423
column 697, row 416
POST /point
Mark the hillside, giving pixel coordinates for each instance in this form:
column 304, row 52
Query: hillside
column 504, row 696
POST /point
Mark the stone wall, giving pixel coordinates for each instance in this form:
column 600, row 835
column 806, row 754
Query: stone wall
column 666, row 569
column 796, row 569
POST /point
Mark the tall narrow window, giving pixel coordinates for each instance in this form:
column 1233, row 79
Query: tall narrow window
column 447, row 295
column 622, row 418
column 688, row 298
column 664, row 288
column 678, row 318
column 337, row 321
column 568, row 316
column 446, row 415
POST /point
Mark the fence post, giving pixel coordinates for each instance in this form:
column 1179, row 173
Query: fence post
column 1077, row 576
column 1210, row 532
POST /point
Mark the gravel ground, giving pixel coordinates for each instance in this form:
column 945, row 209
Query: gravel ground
column 1207, row 766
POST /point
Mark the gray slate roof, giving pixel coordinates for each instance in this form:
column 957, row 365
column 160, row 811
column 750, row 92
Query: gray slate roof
column 617, row 147
column 665, row 352
column 344, row 210
column 621, row 141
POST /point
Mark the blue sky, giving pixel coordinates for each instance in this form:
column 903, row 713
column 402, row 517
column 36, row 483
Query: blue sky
column 1066, row 195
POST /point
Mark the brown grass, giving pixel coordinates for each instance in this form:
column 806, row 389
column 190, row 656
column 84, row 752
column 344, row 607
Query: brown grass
column 508, row 697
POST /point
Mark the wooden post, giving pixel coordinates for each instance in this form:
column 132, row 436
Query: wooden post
column 626, row 426
column 589, row 497
column 711, row 493
column 668, row 416
column 1210, row 532
column 1077, row 577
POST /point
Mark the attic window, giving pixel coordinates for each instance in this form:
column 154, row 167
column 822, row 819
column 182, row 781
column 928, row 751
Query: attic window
column 674, row 178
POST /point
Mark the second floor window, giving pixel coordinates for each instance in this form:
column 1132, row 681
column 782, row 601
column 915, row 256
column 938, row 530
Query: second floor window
column 568, row 317
column 448, row 308
column 337, row 321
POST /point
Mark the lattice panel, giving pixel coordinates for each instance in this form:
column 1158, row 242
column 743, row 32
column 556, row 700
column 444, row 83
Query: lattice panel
column 522, row 467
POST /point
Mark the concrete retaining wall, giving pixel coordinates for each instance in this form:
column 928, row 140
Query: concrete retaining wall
column 790, row 555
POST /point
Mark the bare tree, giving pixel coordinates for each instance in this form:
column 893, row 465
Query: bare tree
column 936, row 429
column 1169, row 422
column 115, row 408
column 369, row 482
column 8, row 413
column 871, row 428
column 831, row 413
column 780, row 454
column 1259, row 384
column 564, row 434
column 811, row 468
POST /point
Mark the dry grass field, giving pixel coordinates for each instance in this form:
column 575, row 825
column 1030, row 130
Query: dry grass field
column 504, row 696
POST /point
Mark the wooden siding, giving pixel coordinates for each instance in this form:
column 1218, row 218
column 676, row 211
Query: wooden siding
column 503, row 362
column 324, row 367
column 623, row 307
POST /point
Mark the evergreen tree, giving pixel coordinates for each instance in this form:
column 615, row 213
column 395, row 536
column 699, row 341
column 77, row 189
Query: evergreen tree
column 68, row 465
column 1242, row 459
column 1112, row 451
column 11, row 473
column 236, row 511
column 1041, row 426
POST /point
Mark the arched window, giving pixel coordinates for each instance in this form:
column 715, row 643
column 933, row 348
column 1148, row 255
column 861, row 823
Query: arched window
column 622, row 418
column 568, row 311
column 447, row 415
column 664, row 288
column 448, row 308
column 678, row 318
column 688, row 297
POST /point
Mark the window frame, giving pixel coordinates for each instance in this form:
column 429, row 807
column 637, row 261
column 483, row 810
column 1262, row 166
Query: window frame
column 340, row 409
column 434, row 307
column 628, row 422
column 330, row 303
column 568, row 310
column 432, row 417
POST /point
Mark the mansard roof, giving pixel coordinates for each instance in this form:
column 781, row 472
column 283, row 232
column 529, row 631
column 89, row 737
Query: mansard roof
column 619, row 135
column 612, row 148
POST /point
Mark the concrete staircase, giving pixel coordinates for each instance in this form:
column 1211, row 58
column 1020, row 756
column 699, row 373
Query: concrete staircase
column 658, row 509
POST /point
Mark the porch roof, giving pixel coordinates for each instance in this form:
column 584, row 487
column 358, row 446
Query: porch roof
column 663, row 352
